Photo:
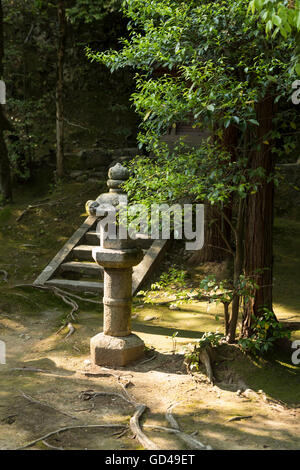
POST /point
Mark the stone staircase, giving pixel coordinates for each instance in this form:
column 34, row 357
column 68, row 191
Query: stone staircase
column 73, row 267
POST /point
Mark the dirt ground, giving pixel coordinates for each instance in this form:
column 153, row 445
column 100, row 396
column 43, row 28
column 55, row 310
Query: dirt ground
column 45, row 373
column 46, row 395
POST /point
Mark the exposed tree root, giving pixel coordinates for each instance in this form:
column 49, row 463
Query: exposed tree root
column 65, row 296
column 70, row 294
column 88, row 395
column 33, row 400
column 137, row 431
column 135, row 426
column 58, row 289
column 148, row 360
column 31, row 369
column 134, row 420
column 68, row 428
column 192, row 443
column 71, row 330
column 170, row 418
column 52, row 447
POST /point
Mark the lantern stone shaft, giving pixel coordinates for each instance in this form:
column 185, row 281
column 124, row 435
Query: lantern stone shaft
column 116, row 346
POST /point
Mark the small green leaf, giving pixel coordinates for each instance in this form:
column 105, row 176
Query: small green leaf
column 254, row 121
column 147, row 115
column 269, row 26
column 276, row 20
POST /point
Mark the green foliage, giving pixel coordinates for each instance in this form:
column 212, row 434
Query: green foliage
column 224, row 290
column 25, row 139
column 219, row 57
column 206, row 173
column 172, row 283
column 266, row 330
column 217, row 291
column 174, row 278
column 88, row 11
column 209, row 62
column 208, row 339
column 284, row 16
column 280, row 16
column 30, row 44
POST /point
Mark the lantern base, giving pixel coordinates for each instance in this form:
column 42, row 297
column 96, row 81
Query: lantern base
column 116, row 350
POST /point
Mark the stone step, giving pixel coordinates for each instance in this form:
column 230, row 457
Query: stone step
column 142, row 241
column 92, row 238
column 83, row 252
column 77, row 286
column 65, row 253
column 84, row 268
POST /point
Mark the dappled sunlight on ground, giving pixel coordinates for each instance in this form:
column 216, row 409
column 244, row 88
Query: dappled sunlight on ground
column 56, row 366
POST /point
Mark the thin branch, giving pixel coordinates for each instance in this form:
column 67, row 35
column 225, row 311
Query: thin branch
column 229, row 222
column 76, row 125
column 221, row 248
column 225, row 240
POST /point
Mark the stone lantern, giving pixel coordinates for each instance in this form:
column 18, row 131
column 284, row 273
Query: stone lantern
column 116, row 346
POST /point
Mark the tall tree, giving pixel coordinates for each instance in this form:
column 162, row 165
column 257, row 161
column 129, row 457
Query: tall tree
column 62, row 35
column 228, row 74
column 5, row 176
column 259, row 216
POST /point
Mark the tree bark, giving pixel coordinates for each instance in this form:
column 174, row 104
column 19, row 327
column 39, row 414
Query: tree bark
column 215, row 231
column 259, row 217
column 237, row 271
column 60, row 90
column 5, row 174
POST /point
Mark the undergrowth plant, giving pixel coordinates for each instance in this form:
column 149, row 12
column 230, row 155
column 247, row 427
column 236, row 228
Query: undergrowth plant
column 266, row 330
column 208, row 339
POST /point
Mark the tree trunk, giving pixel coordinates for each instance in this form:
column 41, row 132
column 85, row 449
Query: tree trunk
column 215, row 231
column 259, row 217
column 237, row 270
column 60, row 90
column 5, row 176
